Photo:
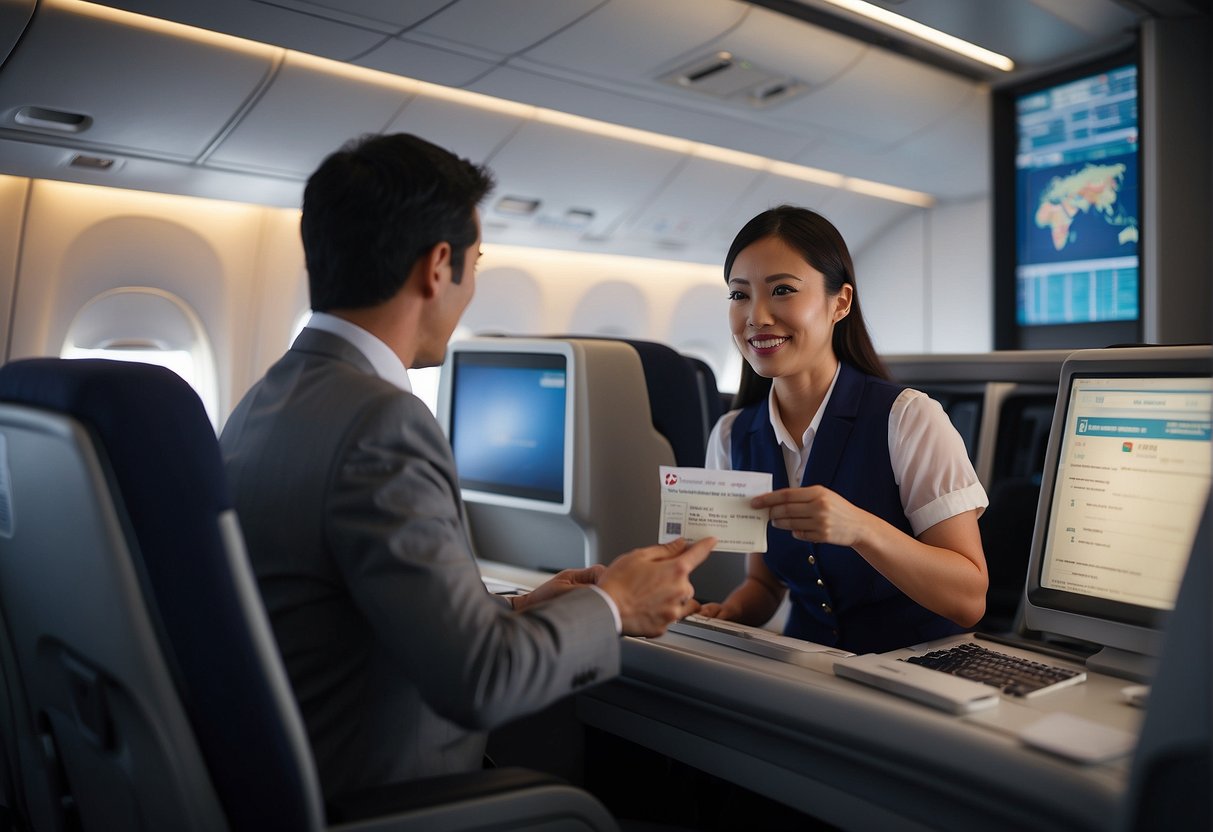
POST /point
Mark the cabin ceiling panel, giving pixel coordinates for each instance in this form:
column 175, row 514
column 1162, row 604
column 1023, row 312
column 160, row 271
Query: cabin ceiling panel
column 949, row 159
column 124, row 85
column 773, row 190
column 668, row 118
column 630, row 39
column 690, row 202
column 308, row 112
column 500, row 29
column 1028, row 31
column 882, row 97
column 571, row 173
column 380, row 15
column 402, row 56
column 860, row 218
column 311, row 33
column 467, row 132
column 781, row 44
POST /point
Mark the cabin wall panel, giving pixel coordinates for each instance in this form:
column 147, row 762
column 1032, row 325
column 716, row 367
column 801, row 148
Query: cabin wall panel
column 891, row 278
column 960, row 283
column 82, row 241
column 13, row 194
column 279, row 298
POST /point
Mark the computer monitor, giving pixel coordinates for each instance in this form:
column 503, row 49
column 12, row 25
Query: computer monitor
column 1126, row 478
column 511, row 427
column 555, row 447
column 1067, row 213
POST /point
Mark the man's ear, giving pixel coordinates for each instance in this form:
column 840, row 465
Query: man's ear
column 434, row 267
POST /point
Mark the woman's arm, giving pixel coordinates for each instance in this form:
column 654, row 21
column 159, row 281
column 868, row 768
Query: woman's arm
column 754, row 601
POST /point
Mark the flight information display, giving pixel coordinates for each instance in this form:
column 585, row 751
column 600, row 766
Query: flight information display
column 1076, row 172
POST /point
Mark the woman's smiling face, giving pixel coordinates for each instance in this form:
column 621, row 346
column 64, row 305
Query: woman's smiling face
column 781, row 318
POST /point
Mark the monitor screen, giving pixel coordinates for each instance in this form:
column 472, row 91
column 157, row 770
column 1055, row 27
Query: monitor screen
column 1075, row 230
column 508, row 424
column 1125, row 486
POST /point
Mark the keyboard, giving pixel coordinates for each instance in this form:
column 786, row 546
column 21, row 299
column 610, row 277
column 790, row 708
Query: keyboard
column 1013, row 675
column 760, row 642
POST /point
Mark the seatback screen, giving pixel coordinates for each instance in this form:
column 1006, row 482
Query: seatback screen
column 508, row 423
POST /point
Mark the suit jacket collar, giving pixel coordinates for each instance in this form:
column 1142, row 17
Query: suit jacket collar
column 319, row 342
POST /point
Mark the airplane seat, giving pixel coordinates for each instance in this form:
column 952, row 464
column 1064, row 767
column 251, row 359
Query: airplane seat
column 153, row 694
column 709, row 394
column 1171, row 770
column 675, row 400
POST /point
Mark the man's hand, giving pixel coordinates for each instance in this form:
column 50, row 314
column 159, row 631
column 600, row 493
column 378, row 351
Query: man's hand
column 558, row 584
column 651, row 586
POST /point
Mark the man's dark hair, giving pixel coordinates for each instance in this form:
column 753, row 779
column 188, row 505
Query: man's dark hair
column 377, row 205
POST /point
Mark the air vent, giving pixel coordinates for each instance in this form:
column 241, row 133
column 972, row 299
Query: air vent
column 736, row 81
column 60, row 121
column 517, row 205
column 91, row 162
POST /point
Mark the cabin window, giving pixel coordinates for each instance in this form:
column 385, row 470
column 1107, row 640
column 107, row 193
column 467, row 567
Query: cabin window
column 136, row 323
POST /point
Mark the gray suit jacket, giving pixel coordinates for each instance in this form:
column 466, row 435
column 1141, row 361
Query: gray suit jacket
column 399, row 658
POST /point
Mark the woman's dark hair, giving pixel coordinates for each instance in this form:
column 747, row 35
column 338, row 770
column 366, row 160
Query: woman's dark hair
column 377, row 205
column 822, row 247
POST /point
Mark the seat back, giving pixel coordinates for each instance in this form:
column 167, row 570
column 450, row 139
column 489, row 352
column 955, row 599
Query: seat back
column 1172, row 768
column 149, row 694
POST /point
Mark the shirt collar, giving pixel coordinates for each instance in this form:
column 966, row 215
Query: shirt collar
column 386, row 363
column 781, row 433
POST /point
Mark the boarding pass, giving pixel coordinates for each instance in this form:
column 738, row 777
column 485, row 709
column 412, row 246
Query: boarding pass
column 703, row 502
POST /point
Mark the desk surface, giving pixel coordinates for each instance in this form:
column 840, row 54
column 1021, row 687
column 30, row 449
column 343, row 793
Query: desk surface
column 852, row 755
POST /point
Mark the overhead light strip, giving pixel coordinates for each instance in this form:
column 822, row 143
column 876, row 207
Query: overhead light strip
column 530, row 112
column 924, row 32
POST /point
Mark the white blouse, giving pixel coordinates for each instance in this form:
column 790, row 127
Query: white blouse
column 930, row 464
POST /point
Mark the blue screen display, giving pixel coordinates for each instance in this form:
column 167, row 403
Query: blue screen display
column 1076, row 172
column 508, row 423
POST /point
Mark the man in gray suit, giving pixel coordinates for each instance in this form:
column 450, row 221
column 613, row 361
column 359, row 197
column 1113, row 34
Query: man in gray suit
column 349, row 499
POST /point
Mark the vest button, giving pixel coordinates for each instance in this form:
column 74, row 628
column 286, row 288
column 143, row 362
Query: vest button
column 820, row 582
column 826, row 608
column 812, row 560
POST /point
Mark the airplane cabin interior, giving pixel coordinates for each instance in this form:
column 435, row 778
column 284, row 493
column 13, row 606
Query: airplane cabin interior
column 1030, row 224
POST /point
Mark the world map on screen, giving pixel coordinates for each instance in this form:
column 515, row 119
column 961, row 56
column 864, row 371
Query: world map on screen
column 1093, row 192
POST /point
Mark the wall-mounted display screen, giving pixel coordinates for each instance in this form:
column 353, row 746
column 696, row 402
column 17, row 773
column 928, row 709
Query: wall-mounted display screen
column 1068, row 186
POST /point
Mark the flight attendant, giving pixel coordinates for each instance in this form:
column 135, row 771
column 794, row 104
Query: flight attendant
column 873, row 526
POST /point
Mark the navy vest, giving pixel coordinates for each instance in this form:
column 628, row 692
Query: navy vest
column 837, row 597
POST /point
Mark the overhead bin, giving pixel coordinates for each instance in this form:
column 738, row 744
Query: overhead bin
column 856, row 216
column 679, row 119
column 292, row 24
column 106, row 79
column 633, row 39
column 465, row 131
column 495, row 29
column 14, row 16
column 311, row 108
column 413, row 60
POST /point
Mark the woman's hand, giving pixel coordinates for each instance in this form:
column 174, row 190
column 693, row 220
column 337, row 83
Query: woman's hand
column 816, row 514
